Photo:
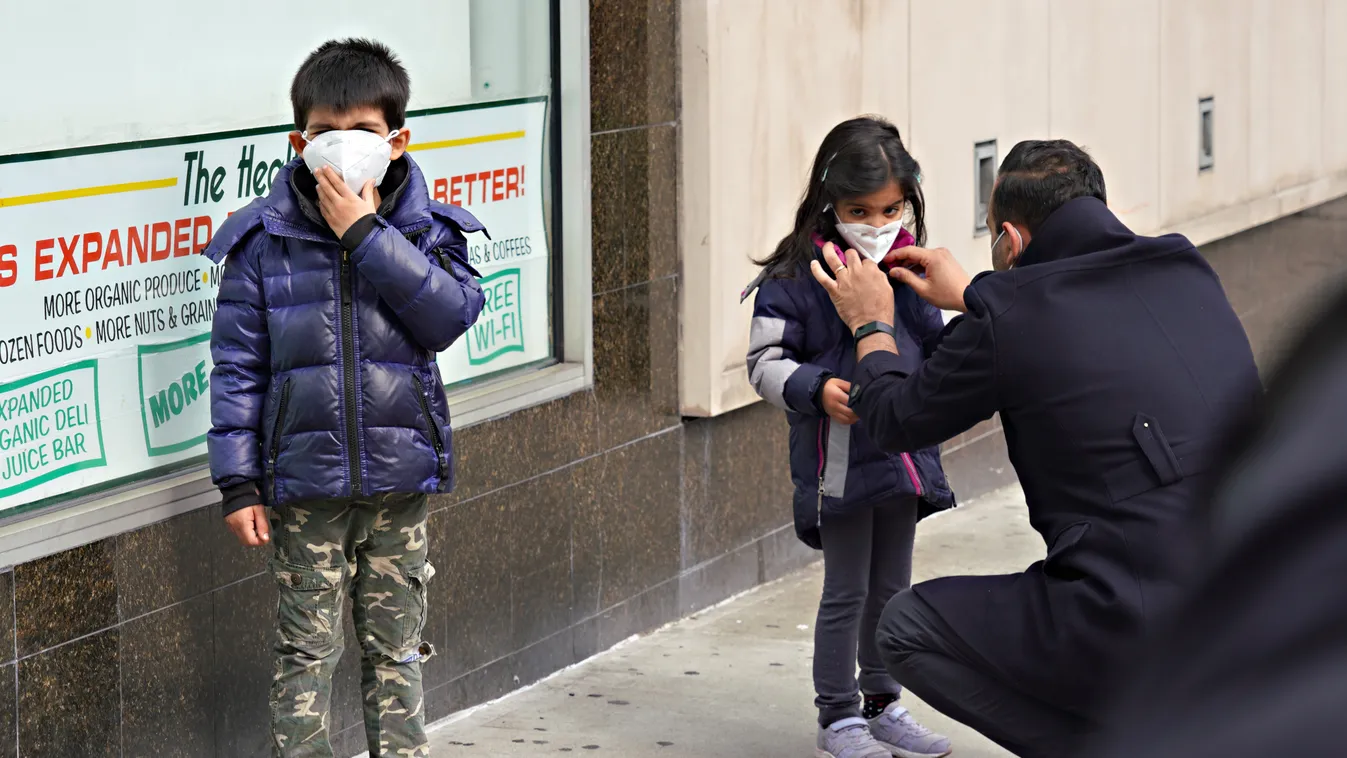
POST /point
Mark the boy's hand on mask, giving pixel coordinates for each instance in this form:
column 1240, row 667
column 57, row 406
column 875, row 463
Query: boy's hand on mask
column 836, row 393
column 339, row 205
column 250, row 525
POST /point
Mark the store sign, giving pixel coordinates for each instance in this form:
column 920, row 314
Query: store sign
column 174, row 394
column 500, row 328
column 51, row 427
column 104, row 344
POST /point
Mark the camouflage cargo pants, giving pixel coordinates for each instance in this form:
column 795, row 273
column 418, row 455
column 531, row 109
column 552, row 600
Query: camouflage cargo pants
column 372, row 550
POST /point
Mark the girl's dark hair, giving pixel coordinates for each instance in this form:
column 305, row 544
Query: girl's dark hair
column 857, row 157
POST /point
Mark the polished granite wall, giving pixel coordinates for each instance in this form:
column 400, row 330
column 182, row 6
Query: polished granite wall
column 576, row 524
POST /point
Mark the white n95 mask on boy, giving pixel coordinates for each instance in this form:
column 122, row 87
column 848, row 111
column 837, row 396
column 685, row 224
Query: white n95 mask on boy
column 871, row 241
column 357, row 155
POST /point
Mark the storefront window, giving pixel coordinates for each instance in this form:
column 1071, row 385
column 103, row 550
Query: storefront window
column 119, row 162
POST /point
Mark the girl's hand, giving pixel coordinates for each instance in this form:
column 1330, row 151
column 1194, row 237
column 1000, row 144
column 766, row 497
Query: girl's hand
column 836, row 392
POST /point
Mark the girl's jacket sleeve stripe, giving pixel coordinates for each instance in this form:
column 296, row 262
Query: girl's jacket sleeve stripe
column 776, row 341
column 768, row 367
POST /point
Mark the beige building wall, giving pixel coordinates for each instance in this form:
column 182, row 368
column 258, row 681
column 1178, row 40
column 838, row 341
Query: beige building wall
column 1335, row 85
column 764, row 80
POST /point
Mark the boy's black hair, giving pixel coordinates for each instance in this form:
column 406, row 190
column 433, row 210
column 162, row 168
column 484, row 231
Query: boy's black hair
column 857, row 158
column 351, row 73
column 1038, row 177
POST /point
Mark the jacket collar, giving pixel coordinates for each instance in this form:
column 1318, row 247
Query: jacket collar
column 905, row 239
column 291, row 209
column 1081, row 226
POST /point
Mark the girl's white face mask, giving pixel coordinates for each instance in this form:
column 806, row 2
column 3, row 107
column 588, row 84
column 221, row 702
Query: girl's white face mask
column 357, row 155
column 874, row 242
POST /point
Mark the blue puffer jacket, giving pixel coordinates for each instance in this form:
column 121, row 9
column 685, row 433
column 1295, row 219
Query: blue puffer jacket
column 325, row 383
column 797, row 343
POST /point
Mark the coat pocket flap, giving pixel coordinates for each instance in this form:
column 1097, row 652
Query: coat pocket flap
column 1066, row 539
column 1060, row 560
column 1155, row 447
column 305, row 578
column 447, row 257
column 1141, row 475
column 421, row 574
column 1068, row 536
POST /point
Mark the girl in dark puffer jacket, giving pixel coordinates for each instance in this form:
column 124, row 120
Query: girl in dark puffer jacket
column 857, row 503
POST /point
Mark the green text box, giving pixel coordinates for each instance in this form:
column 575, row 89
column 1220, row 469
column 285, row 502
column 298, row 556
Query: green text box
column 50, row 426
column 500, row 329
column 175, row 394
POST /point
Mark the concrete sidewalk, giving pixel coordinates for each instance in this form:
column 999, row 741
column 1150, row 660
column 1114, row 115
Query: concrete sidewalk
column 733, row 680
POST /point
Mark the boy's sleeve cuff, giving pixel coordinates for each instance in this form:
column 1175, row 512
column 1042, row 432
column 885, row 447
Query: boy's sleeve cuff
column 358, row 231
column 236, row 497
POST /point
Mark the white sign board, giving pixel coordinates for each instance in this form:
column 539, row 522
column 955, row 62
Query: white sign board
column 104, row 345
column 114, row 83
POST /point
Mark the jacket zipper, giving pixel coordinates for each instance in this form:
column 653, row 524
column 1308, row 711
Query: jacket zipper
column 348, row 368
column 822, row 465
column 276, row 435
column 912, row 474
column 435, row 440
column 348, row 374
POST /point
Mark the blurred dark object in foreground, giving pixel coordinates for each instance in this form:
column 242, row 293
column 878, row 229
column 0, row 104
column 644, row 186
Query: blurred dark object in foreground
column 1254, row 663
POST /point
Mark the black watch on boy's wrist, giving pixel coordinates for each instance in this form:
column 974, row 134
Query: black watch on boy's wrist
column 874, row 327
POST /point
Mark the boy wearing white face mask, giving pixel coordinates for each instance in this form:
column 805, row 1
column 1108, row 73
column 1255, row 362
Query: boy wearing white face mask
column 327, row 406
column 855, row 502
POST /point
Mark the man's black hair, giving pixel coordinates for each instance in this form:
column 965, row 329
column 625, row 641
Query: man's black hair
column 1038, row 177
column 351, row 73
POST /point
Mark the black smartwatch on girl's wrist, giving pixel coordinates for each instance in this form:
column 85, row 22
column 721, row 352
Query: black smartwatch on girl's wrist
column 872, row 328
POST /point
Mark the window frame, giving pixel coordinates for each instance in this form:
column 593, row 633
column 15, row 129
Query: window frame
column 1206, row 116
column 62, row 526
column 984, row 150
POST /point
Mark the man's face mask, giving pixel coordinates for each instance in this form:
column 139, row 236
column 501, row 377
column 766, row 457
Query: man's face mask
column 874, row 242
column 357, row 155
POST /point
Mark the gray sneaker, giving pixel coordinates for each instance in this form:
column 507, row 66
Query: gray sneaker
column 849, row 738
column 901, row 735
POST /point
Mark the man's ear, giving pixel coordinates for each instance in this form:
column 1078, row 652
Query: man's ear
column 297, row 142
column 399, row 143
column 1019, row 241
